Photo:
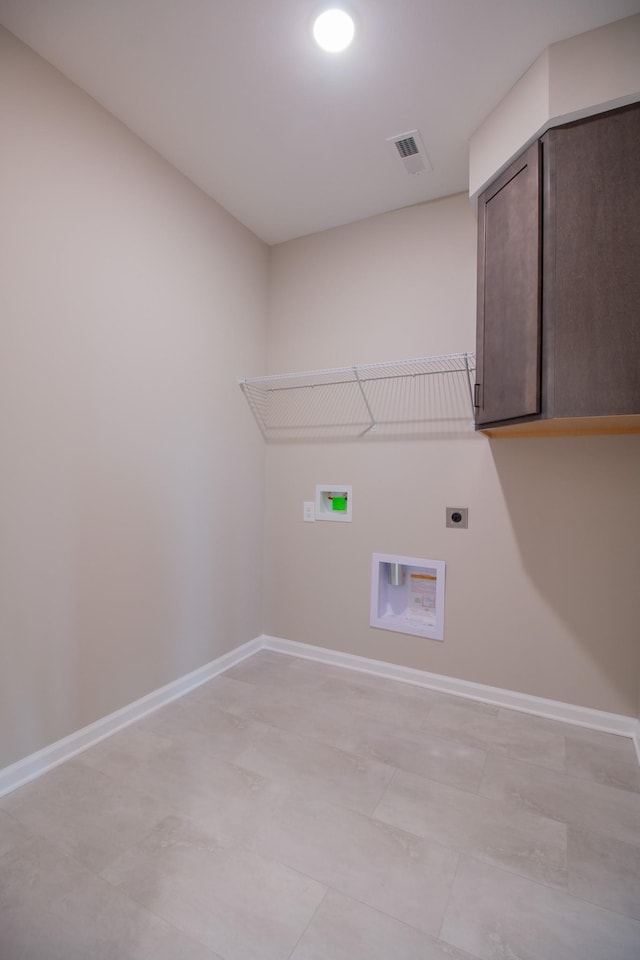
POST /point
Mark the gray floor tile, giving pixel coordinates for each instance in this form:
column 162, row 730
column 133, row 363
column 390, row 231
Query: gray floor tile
column 316, row 768
column 51, row 908
column 610, row 760
column 36, row 871
column 196, row 723
column 12, row 832
column 120, row 755
column 337, row 724
column 221, row 797
column 263, row 667
column 605, row 871
column 347, row 679
column 581, row 803
column 231, row 899
column 344, row 929
column 494, row 914
column 400, row 874
column 500, row 832
column 346, row 691
column 86, row 813
column 503, row 732
column 375, row 698
column 278, row 706
column 420, row 752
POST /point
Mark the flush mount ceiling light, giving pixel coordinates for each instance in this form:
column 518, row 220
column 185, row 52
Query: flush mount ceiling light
column 333, row 30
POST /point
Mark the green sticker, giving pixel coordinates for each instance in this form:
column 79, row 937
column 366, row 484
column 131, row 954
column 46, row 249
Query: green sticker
column 339, row 503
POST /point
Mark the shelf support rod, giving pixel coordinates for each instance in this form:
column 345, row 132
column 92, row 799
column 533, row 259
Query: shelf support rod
column 366, row 402
column 469, row 384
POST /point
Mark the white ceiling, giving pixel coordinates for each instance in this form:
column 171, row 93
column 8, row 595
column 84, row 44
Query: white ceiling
column 289, row 139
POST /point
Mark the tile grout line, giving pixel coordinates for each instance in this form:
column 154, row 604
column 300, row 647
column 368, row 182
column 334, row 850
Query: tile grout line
column 446, row 906
column 546, row 886
column 593, row 903
column 311, row 919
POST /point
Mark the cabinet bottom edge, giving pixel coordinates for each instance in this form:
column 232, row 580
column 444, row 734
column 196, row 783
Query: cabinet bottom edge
column 566, row 427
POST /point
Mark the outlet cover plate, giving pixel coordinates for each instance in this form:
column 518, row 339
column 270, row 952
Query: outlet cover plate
column 458, row 517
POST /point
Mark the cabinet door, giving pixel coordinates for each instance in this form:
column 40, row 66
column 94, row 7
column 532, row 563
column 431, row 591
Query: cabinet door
column 592, row 264
column 509, row 248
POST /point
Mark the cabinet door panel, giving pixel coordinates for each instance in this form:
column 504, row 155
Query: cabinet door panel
column 594, row 283
column 509, row 244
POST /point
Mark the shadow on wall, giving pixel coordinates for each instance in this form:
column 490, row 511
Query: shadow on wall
column 574, row 506
column 321, row 406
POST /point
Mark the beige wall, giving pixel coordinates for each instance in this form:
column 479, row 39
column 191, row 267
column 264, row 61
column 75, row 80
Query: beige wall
column 542, row 588
column 131, row 469
column 574, row 78
column 595, row 70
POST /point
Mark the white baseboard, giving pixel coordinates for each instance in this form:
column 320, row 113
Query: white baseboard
column 38, row 763
column 524, row 702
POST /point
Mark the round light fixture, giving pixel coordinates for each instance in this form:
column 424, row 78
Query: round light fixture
column 333, row 30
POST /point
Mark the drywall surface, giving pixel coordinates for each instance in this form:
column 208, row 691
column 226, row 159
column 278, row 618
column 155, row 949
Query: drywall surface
column 541, row 592
column 596, row 69
column 132, row 471
column 574, row 78
column 514, row 122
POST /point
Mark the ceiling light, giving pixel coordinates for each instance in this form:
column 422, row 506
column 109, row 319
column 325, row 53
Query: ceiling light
column 333, row 30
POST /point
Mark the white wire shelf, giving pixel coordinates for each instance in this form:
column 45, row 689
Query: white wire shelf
column 415, row 397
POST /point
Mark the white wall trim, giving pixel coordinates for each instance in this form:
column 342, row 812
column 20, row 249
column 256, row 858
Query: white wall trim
column 38, row 763
column 43, row 760
column 636, row 739
column 524, row 702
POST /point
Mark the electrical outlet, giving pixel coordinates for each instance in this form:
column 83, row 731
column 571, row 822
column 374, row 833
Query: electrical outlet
column 308, row 511
column 458, row 517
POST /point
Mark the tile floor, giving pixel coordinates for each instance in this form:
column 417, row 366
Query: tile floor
column 289, row 810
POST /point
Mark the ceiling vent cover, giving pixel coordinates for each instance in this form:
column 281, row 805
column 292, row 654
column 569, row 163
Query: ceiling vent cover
column 411, row 150
column 407, row 147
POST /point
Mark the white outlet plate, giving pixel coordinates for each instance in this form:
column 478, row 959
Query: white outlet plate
column 308, row 511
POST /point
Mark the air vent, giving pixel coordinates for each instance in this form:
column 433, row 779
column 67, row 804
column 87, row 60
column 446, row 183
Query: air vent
column 412, row 152
column 407, row 147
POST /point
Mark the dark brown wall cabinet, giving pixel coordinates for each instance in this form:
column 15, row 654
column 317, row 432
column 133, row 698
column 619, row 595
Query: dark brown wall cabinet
column 558, row 348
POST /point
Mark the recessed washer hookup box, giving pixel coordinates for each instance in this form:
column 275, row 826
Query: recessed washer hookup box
column 407, row 595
